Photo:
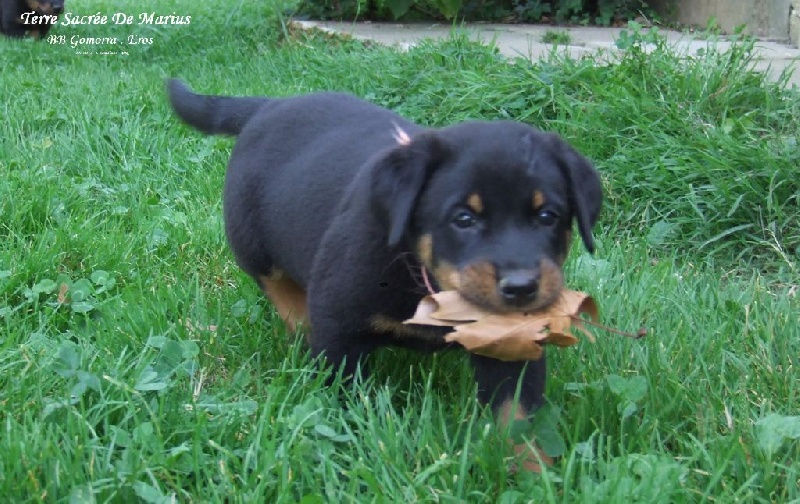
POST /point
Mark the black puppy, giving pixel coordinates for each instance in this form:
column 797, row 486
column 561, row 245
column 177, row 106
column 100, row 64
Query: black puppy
column 13, row 24
column 340, row 206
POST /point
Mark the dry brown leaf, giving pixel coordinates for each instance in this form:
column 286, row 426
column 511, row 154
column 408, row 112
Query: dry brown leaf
column 62, row 293
column 425, row 309
column 194, row 328
column 509, row 336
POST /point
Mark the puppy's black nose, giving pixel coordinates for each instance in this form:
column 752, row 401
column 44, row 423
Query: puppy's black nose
column 519, row 286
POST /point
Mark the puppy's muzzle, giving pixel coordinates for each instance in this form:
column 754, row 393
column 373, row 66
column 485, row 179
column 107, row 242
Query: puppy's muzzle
column 518, row 287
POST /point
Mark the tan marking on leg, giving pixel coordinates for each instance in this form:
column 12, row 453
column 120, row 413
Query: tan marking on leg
column 538, row 199
column 385, row 324
column 475, row 203
column 528, row 455
column 510, row 411
column 288, row 298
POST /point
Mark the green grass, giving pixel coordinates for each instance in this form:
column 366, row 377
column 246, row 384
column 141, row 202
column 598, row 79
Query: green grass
column 165, row 374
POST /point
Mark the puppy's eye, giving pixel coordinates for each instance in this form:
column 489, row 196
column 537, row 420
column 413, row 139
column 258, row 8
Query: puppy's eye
column 464, row 219
column 546, row 218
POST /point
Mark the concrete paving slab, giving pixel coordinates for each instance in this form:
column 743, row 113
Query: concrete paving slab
column 519, row 40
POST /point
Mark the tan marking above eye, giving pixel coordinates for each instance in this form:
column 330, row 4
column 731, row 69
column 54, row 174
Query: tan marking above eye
column 475, row 203
column 538, row 199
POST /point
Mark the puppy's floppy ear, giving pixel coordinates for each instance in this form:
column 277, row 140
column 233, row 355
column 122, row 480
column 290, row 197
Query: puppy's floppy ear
column 398, row 177
column 586, row 189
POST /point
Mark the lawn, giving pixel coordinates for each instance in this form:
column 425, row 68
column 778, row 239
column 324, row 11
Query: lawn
column 138, row 363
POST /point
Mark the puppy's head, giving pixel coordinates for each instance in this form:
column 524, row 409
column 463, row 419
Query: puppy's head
column 46, row 6
column 488, row 209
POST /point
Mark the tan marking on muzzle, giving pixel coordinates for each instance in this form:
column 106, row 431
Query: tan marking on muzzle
column 447, row 276
column 385, row 324
column 478, row 283
column 425, row 250
column 551, row 282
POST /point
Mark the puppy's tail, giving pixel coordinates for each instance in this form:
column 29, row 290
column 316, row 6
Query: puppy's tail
column 213, row 115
